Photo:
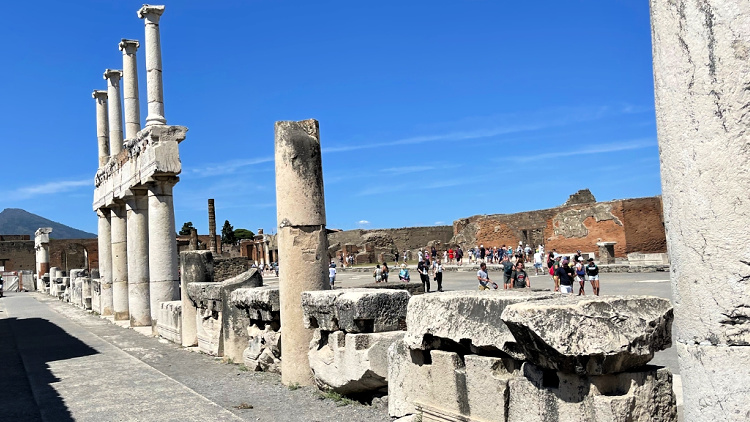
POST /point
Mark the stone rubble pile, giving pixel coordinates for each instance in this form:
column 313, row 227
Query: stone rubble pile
column 524, row 356
column 258, row 315
column 353, row 330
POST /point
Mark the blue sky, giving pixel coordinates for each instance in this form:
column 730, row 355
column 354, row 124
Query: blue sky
column 429, row 111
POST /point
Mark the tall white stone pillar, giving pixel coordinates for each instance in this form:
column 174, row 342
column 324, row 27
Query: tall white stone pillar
column 115, row 110
column 303, row 243
column 162, row 244
column 265, row 252
column 119, row 262
column 104, row 237
column 701, row 52
column 130, row 87
column 139, row 304
column 102, row 126
column 151, row 15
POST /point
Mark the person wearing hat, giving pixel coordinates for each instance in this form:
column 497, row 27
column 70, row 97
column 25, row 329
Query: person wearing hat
column 593, row 272
column 564, row 277
column 580, row 275
column 332, row 273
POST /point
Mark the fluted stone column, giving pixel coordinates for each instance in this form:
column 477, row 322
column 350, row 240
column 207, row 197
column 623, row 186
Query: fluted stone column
column 151, row 15
column 130, row 87
column 119, row 262
column 104, row 238
column 115, row 110
column 701, row 52
column 162, row 246
column 212, row 227
column 303, row 244
column 139, row 303
column 102, row 126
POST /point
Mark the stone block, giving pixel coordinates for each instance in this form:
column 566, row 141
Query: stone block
column 643, row 395
column 715, row 383
column 351, row 363
column 591, row 335
column 261, row 303
column 96, row 295
column 169, row 325
column 87, row 293
column 76, row 292
column 355, row 310
column 208, row 325
column 446, row 387
column 469, row 318
column 263, row 352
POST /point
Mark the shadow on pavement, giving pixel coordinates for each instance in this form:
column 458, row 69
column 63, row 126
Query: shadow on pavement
column 26, row 391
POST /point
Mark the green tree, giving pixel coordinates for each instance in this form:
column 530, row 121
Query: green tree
column 227, row 234
column 185, row 230
column 240, row 234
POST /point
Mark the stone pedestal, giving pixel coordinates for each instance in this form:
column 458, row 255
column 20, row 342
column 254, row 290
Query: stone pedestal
column 104, row 238
column 119, row 263
column 302, row 239
column 196, row 267
column 701, row 54
column 151, row 15
column 606, row 252
column 138, row 262
column 162, row 246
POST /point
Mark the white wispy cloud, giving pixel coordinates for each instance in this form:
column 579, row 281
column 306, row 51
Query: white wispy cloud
column 439, row 223
column 363, row 223
column 63, row 186
column 590, row 149
column 227, row 167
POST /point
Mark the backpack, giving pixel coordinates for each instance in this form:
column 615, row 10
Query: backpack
column 552, row 269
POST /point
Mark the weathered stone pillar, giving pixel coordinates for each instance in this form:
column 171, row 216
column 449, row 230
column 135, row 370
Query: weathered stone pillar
column 102, row 127
column 606, row 252
column 196, row 267
column 265, row 250
column 130, row 87
column 114, row 110
column 119, row 262
column 162, row 244
column 151, row 15
column 138, row 264
column 212, row 226
column 104, row 237
column 193, row 239
column 41, row 245
column 303, row 244
column 701, row 53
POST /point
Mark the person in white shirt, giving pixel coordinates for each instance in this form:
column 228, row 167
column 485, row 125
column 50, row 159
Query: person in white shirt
column 537, row 262
column 332, row 274
column 437, row 272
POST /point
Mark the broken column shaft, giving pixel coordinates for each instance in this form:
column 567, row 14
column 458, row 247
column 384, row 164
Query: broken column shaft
column 151, row 15
column 102, row 127
column 701, row 54
column 130, row 87
column 114, row 110
column 303, row 244
column 212, row 227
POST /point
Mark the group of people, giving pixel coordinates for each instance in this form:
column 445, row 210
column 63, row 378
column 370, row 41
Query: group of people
column 450, row 255
column 563, row 274
column 495, row 255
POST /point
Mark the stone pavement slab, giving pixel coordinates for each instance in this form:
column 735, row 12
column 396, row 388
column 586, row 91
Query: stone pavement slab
column 81, row 367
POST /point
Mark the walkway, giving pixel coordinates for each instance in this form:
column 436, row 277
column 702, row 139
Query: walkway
column 59, row 363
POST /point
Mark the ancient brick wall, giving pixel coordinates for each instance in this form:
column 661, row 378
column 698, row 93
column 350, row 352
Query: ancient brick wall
column 644, row 225
column 19, row 255
column 68, row 254
column 225, row 268
column 405, row 238
column 635, row 224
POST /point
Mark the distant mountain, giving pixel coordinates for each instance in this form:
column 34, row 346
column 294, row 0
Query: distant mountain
column 18, row 221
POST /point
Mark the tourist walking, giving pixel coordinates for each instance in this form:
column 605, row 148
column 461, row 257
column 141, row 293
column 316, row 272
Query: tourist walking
column 519, row 279
column 592, row 270
column 484, row 278
column 580, row 276
column 378, row 273
column 424, row 275
column 537, row 262
column 459, row 255
column 332, row 274
column 437, row 272
column 507, row 272
column 384, row 272
column 564, row 277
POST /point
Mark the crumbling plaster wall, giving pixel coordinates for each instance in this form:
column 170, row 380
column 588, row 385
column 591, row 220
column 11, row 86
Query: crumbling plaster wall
column 20, row 255
column 406, row 238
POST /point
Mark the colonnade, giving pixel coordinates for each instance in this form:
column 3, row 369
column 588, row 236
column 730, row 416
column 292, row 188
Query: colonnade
column 137, row 243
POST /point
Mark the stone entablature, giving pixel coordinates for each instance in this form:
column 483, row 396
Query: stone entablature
column 151, row 155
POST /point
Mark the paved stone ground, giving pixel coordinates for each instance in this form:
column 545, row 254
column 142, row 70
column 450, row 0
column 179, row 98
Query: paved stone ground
column 59, row 363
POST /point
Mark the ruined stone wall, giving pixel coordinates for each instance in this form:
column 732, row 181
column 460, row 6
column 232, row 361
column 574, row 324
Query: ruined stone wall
column 644, row 225
column 225, row 268
column 409, row 238
column 12, row 237
column 635, row 224
column 68, row 254
column 20, row 255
